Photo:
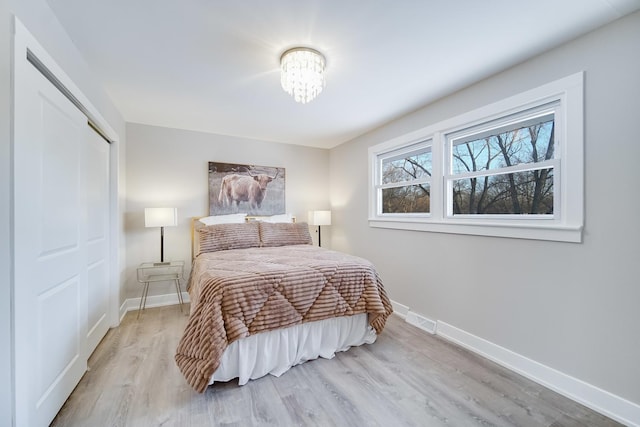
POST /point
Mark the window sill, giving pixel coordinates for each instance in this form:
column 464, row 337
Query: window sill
column 516, row 231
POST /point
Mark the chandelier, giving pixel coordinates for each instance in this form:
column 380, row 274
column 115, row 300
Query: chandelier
column 302, row 73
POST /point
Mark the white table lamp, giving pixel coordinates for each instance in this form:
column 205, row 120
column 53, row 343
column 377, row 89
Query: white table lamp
column 161, row 217
column 320, row 218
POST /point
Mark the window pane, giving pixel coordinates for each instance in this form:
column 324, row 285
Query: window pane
column 413, row 166
column 406, row 199
column 529, row 192
column 522, row 144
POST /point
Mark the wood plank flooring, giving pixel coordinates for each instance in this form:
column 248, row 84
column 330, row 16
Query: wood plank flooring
column 406, row 378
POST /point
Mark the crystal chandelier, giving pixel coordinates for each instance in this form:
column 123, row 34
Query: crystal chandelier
column 302, row 73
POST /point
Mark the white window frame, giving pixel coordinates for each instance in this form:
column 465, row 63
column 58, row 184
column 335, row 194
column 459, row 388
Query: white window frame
column 567, row 221
column 493, row 128
column 404, row 151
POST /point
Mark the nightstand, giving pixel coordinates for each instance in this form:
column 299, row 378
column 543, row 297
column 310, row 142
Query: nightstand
column 150, row 272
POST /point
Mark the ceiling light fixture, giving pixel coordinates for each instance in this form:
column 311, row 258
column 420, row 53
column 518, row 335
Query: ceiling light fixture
column 302, row 73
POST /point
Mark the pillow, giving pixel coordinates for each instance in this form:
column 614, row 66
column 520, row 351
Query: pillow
column 281, row 234
column 222, row 237
column 224, row 219
column 277, row 218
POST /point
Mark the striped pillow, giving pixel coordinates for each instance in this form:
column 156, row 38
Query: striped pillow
column 222, row 237
column 281, row 234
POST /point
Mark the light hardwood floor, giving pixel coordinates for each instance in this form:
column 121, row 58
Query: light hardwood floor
column 406, row 378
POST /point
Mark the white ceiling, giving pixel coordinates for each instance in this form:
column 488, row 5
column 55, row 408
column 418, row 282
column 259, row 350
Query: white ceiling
column 213, row 65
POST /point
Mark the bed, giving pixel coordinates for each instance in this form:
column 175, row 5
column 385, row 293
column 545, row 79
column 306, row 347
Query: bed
column 264, row 299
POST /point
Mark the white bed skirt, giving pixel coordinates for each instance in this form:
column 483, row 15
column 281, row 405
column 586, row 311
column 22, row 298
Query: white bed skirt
column 274, row 352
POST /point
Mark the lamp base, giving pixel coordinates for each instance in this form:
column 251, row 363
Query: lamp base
column 157, row 264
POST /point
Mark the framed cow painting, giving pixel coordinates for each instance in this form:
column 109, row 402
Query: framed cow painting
column 250, row 189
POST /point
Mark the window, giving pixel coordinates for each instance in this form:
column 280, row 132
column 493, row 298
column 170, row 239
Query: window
column 505, row 167
column 404, row 186
column 510, row 169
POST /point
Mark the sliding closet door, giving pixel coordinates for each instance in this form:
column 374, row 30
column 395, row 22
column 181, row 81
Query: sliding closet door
column 50, row 248
column 97, row 221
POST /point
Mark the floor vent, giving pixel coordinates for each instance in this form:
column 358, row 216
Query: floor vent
column 421, row 322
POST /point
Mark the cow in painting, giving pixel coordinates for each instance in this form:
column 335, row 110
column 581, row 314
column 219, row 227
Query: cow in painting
column 250, row 188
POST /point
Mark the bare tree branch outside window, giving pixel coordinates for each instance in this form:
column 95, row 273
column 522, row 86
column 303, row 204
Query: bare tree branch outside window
column 408, row 189
column 496, row 192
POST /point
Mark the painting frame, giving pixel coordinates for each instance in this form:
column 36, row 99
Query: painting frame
column 245, row 188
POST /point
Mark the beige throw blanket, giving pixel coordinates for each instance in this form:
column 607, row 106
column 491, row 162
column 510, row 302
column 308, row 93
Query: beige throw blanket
column 241, row 292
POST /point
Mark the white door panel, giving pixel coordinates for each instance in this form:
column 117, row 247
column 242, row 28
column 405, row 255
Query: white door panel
column 58, row 199
column 97, row 304
column 61, row 228
column 97, row 207
column 50, row 318
column 97, row 183
column 60, row 303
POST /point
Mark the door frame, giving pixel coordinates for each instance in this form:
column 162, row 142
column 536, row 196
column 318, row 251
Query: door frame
column 24, row 42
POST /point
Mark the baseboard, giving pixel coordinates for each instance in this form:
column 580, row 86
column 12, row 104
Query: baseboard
column 123, row 309
column 599, row 400
column 400, row 309
column 131, row 304
column 602, row 401
column 413, row 318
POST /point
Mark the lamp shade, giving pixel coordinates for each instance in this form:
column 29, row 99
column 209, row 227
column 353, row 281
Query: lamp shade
column 320, row 217
column 160, row 217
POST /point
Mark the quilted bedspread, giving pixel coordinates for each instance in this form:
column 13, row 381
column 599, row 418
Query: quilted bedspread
column 241, row 292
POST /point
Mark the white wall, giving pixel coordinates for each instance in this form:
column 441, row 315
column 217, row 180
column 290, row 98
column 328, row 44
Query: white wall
column 6, row 411
column 572, row 307
column 169, row 167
